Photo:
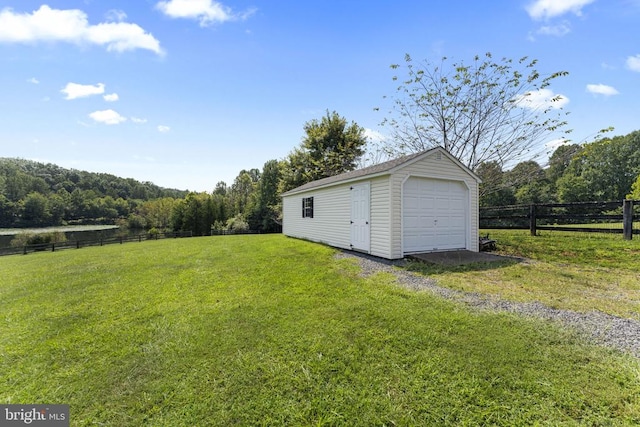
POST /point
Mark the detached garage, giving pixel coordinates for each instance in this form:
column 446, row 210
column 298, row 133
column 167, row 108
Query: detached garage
column 424, row 202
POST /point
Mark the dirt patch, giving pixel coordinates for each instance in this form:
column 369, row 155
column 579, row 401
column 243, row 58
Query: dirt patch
column 460, row 257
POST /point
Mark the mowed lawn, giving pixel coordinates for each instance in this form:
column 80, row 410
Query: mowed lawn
column 575, row 271
column 267, row 330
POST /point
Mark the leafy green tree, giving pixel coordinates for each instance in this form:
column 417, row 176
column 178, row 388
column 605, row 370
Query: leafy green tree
column 330, row 147
column 574, row 188
column 296, row 170
column 157, row 212
column 605, row 169
column 523, row 173
column 265, row 212
column 178, row 215
column 538, row 191
column 635, row 190
column 57, row 208
column 528, row 182
column 493, row 189
column 79, row 205
column 241, row 191
column 35, row 210
column 8, row 213
column 479, row 112
column 17, row 184
column 220, row 188
column 560, row 160
column 195, row 213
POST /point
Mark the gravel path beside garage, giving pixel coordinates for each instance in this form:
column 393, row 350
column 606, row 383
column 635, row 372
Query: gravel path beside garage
column 619, row 333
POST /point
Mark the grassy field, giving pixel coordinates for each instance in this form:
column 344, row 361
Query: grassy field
column 577, row 271
column 266, row 330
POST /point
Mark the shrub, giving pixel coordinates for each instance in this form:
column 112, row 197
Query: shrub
column 237, row 224
column 24, row 239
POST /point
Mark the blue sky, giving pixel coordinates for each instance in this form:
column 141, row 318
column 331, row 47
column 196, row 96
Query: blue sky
column 186, row 93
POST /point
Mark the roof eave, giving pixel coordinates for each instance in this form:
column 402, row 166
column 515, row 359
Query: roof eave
column 333, row 184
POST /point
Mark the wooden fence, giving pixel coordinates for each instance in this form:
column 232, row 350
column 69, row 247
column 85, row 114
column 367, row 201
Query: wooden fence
column 77, row 244
column 621, row 217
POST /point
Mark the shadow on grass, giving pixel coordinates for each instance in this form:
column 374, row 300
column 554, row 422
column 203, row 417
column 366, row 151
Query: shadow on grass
column 429, row 268
column 446, row 264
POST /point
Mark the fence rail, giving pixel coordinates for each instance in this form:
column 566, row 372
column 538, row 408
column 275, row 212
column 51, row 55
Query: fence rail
column 622, row 217
column 77, row 244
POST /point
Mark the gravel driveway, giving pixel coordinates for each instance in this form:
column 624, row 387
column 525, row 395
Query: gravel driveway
column 619, row 333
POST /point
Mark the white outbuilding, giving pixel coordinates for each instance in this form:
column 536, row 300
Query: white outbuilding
column 423, row 202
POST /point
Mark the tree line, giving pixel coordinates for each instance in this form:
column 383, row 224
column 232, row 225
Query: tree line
column 604, row 170
column 34, row 194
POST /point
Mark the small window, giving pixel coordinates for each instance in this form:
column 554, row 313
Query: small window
column 307, row 207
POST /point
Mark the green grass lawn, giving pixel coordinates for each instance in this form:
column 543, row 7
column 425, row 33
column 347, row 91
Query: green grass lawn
column 577, row 271
column 266, row 330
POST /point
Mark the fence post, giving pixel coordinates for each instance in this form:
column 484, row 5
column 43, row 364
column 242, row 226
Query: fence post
column 627, row 219
column 532, row 220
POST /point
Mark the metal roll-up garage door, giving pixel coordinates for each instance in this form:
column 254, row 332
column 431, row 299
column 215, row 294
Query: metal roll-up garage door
column 434, row 215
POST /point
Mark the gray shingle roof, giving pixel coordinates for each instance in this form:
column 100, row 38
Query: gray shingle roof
column 378, row 169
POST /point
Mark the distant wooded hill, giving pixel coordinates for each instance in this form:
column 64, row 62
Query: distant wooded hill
column 39, row 194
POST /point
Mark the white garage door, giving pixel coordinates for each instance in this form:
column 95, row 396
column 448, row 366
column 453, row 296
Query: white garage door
column 434, row 215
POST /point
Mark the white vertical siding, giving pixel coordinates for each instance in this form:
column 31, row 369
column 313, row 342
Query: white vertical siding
column 381, row 217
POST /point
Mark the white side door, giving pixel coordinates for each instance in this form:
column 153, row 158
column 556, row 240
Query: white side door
column 360, row 217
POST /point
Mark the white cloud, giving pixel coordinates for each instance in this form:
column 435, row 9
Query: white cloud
column 555, row 30
column 633, row 63
column 115, row 15
column 108, row 117
column 207, row 12
column 138, row 120
column 111, row 97
column 75, row 90
column 541, row 99
column 374, row 136
column 601, row 89
column 163, row 129
column 545, row 9
column 33, row 80
column 72, row 26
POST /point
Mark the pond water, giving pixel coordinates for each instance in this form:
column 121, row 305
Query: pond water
column 73, row 232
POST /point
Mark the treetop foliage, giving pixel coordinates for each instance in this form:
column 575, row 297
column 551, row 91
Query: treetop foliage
column 330, row 147
column 38, row 194
column 603, row 170
column 488, row 110
column 19, row 177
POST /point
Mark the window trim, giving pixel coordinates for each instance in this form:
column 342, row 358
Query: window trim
column 307, row 207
